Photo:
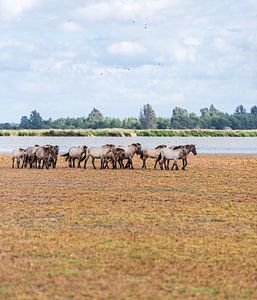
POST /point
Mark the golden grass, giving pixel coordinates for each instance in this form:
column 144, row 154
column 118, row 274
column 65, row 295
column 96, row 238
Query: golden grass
column 123, row 234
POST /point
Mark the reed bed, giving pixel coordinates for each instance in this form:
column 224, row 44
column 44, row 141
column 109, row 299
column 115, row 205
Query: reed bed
column 131, row 133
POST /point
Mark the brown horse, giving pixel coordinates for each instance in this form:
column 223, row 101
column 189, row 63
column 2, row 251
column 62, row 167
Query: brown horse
column 128, row 154
column 75, row 153
column 151, row 153
column 19, row 156
column 171, row 154
column 113, row 157
column 98, row 153
column 46, row 155
column 190, row 148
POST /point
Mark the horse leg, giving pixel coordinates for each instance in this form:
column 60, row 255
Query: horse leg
column 93, row 162
column 131, row 163
column 79, row 163
column 18, row 163
column 144, row 163
column 175, row 164
column 102, row 164
column 155, row 164
column 85, row 163
column 45, row 163
column 107, row 164
column 114, row 164
column 70, row 166
column 161, row 163
column 120, row 161
column 73, row 163
column 184, row 163
column 13, row 162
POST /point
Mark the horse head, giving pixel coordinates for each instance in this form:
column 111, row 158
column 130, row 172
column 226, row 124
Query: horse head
column 192, row 149
column 139, row 149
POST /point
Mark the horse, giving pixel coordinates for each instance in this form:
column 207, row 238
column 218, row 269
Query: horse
column 74, row 153
column 128, row 154
column 45, row 154
column 98, row 153
column 30, row 156
column 55, row 152
column 18, row 155
column 188, row 148
column 113, row 157
column 171, row 154
column 151, row 153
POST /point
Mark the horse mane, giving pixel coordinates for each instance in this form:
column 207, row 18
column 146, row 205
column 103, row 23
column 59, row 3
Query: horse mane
column 178, row 147
column 160, row 146
column 108, row 145
column 119, row 149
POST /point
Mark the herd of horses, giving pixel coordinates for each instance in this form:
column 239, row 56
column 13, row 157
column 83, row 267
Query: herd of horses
column 109, row 155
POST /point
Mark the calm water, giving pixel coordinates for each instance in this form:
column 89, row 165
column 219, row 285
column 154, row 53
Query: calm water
column 240, row 145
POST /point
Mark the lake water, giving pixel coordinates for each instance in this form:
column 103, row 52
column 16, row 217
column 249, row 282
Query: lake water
column 231, row 145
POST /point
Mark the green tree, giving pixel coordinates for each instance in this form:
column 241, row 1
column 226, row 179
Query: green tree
column 24, row 123
column 213, row 110
column 180, row 118
column 36, row 121
column 147, row 117
column 254, row 110
column 240, row 110
column 95, row 119
column 163, row 123
column 131, row 123
column 204, row 111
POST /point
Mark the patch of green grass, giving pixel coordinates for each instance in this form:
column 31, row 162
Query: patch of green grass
column 58, row 272
column 200, row 291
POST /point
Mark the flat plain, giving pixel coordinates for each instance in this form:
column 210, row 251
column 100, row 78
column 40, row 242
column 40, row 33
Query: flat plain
column 130, row 234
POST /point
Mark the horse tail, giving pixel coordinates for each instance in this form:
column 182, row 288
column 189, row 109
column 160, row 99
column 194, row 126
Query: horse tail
column 142, row 155
column 66, row 154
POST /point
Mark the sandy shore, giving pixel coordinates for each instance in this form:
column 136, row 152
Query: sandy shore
column 130, row 234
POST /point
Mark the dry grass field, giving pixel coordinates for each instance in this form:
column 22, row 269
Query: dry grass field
column 123, row 234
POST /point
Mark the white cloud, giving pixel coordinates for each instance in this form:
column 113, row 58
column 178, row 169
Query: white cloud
column 71, row 26
column 126, row 48
column 220, row 44
column 123, row 10
column 183, row 54
column 190, row 41
column 10, row 9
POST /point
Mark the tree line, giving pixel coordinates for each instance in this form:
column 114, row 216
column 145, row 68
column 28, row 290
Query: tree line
column 209, row 118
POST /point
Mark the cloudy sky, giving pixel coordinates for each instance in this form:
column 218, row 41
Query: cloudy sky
column 65, row 57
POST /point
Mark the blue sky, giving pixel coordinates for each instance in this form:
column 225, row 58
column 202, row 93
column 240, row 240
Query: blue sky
column 65, row 57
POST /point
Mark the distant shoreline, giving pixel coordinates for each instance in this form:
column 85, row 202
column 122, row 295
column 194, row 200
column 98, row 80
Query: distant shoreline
column 130, row 133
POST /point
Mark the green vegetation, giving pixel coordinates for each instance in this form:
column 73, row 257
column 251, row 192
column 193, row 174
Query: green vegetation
column 131, row 133
column 209, row 118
